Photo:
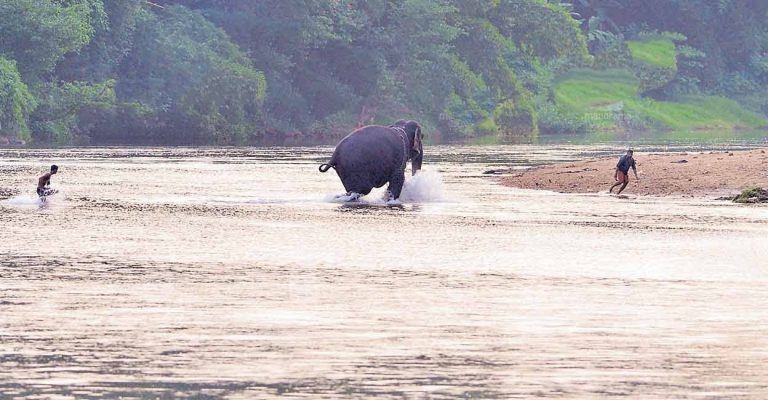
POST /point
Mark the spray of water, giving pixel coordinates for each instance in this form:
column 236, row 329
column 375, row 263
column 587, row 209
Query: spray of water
column 424, row 187
column 33, row 201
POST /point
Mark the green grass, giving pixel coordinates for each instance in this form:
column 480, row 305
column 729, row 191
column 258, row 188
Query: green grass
column 729, row 109
column 593, row 93
column 659, row 52
column 582, row 90
column 697, row 113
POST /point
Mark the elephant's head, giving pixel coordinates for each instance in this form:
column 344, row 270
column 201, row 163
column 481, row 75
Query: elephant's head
column 416, row 147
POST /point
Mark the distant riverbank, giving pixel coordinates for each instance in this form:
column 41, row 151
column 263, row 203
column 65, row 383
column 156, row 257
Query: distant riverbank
column 697, row 174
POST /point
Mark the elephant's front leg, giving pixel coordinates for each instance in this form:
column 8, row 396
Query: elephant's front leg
column 396, row 185
column 387, row 195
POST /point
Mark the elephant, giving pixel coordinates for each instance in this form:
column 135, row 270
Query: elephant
column 374, row 155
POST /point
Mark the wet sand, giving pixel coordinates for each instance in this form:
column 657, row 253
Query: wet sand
column 692, row 174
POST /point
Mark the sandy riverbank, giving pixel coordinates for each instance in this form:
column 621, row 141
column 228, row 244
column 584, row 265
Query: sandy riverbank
column 708, row 174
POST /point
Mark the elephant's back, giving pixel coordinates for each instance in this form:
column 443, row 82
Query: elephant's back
column 370, row 133
column 369, row 144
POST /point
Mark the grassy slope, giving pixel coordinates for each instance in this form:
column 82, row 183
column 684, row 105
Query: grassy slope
column 585, row 90
column 658, row 52
column 597, row 92
column 698, row 112
column 598, row 95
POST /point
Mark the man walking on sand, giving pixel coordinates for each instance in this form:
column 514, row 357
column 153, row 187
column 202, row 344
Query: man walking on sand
column 622, row 171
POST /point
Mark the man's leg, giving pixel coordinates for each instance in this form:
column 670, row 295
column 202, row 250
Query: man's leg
column 620, row 178
column 624, row 185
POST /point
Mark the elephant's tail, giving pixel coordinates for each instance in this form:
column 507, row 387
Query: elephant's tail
column 331, row 163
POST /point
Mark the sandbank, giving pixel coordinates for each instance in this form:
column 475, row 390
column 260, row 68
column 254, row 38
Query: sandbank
column 691, row 174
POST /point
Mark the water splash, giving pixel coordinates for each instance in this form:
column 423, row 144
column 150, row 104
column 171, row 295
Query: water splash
column 33, row 201
column 23, row 201
column 424, row 187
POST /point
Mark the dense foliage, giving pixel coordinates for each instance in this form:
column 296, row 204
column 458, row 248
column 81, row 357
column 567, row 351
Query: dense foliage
column 276, row 71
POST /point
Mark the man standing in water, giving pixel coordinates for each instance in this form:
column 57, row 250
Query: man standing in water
column 43, row 183
column 622, row 171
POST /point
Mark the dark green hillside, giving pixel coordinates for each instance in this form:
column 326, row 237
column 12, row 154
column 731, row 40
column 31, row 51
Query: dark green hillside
column 306, row 71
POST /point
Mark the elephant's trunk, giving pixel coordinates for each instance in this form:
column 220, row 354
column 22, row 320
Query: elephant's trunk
column 416, row 163
column 325, row 167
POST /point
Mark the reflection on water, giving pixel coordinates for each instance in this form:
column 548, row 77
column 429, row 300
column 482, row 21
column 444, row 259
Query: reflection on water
column 227, row 273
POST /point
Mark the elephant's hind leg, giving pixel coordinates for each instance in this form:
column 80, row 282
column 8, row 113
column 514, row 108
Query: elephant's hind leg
column 354, row 191
column 348, row 197
column 357, row 183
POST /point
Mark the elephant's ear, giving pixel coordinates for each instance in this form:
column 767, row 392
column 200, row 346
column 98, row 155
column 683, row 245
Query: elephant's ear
column 417, row 140
column 412, row 126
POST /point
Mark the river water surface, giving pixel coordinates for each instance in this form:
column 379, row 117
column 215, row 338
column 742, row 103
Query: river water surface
column 231, row 273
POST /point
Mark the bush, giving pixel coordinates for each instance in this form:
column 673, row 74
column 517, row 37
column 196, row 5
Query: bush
column 653, row 77
column 487, row 127
column 654, row 62
column 752, row 195
column 655, row 58
column 463, row 116
column 334, row 126
column 690, row 63
column 613, row 54
column 516, row 120
column 553, row 120
column 126, row 123
column 65, row 108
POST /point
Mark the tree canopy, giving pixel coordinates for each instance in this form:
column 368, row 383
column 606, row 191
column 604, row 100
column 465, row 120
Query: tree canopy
column 271, row 71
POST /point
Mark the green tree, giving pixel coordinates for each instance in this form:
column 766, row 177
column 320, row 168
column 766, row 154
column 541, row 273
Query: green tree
column 16, row 102
column 64, row 113
column 546, row 30
column 414, row 38
column 729, row 33
column 499, row 63
column 114, row 25
column 197, row 82
column 38, row 33
column 305, row 49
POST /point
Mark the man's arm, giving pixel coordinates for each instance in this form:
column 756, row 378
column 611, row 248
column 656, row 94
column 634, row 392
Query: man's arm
column 634, row 169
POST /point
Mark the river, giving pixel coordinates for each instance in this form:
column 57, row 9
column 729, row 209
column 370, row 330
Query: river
column 231, row 274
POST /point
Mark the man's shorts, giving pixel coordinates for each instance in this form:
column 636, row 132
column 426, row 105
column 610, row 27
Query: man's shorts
column 42, row 192
column 622, row 177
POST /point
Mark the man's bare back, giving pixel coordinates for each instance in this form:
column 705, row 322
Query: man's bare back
column 45, row 181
